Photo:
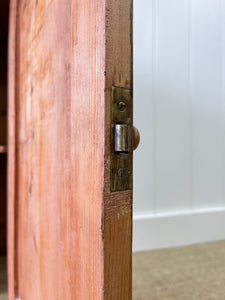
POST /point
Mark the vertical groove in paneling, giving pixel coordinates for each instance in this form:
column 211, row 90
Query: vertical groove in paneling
column 171, row 102
column 190, row 83
column 222, row 7
column 143, row 99
column 223, row 85
column 207, row 113
column 154, row 75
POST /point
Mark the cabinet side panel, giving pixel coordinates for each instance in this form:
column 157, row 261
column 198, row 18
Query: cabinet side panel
column 61, row 149
column 87, row 150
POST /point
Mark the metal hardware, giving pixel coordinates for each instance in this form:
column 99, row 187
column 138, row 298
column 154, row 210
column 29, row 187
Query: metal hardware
column 136, row 137
column 122, row 106
column 121, row 139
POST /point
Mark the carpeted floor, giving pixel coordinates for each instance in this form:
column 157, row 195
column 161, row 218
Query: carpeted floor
column 3, row 281
column 189, row 273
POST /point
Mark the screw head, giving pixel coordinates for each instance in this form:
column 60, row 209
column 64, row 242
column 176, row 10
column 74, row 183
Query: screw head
column 122, row 105
column 121, row 172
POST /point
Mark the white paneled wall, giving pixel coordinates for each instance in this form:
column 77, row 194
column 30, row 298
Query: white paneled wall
column 179, row 108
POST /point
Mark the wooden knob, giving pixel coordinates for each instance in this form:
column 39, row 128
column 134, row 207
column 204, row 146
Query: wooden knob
column 136, row 138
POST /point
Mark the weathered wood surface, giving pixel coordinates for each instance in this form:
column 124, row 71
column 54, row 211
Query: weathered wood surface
column 70, row 238
column 118, row 205
column 12, row 155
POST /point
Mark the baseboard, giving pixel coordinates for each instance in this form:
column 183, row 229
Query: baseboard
column 178, row 229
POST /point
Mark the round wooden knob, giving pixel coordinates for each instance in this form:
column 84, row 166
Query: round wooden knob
column 136, row 138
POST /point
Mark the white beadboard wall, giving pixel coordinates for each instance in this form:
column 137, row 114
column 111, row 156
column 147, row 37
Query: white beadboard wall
column 179, row 108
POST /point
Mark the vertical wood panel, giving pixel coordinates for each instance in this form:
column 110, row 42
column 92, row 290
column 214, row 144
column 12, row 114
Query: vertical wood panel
column 207, row 104
column 44, row 199
column 223, row 90
column 144, row 18
column 164, row 116
column 87, row 149
column 171, row 106
column 179, row 73
column 117, row 206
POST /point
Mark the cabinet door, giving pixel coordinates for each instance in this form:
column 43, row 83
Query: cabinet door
column 69, row 232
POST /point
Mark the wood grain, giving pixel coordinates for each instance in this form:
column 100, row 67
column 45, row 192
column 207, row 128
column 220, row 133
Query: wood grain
column 118, row 205
column 70, row 236
column 12, row 154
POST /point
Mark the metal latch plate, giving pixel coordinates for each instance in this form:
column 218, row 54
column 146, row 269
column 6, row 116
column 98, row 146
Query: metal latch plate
column 121, row 121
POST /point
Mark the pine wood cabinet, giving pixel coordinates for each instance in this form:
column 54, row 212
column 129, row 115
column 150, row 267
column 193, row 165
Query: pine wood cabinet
column 69, row 234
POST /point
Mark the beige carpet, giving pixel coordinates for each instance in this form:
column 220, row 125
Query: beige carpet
column 3, row 282
column 188, row 273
